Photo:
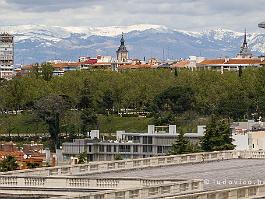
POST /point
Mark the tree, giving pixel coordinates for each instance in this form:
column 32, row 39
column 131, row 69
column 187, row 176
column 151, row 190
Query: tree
column 183, row 146
column 89, row 120
column 176, row 72
column 240, row 71
column 9, row 163
column 173, row 101
column 118, row 157
column 35, row 71
column 108, row 101
column 217, row 136
column 176, row 99
column 33, row 165
column 51, row 109
column 15, row 94
column 47, row 71
column 82, row 158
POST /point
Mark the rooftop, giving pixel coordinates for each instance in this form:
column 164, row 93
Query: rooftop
column 236, row 170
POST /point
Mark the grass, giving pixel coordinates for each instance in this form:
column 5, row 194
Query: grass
column 25, row 123
column 111, row 124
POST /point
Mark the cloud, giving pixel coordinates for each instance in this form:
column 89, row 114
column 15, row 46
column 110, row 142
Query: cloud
column 179, row 14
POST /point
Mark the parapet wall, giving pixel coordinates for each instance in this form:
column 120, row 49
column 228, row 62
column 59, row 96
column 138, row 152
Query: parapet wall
column 110, row 166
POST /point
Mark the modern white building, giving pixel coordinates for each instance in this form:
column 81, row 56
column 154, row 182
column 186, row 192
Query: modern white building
column 6, row 55
column 156, row 142
column 249, row 135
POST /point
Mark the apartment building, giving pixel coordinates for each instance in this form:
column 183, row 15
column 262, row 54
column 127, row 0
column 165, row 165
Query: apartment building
column 6, row 55
column 156, row 142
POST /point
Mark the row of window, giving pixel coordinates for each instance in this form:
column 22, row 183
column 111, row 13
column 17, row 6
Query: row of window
column 127, row 149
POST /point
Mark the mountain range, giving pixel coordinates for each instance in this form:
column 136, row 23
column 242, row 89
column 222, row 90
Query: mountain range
column 37, row 43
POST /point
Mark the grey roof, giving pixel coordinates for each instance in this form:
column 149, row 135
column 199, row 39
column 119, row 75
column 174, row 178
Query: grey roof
column 216, row 175
column 262, row 24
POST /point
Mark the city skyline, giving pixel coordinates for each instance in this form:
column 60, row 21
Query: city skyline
column 187, row 15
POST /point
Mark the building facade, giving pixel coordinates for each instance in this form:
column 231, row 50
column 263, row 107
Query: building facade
column 6, row 55
column 156, row 142
column 122, row 52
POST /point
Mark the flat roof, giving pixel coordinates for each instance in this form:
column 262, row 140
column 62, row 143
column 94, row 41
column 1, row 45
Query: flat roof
column 216, row 175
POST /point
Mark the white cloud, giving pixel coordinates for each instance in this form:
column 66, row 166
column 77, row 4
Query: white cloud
column 180, row 14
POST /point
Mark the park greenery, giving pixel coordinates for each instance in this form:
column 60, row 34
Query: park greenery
column 9, row 163
column 217, row 137
column 81, row 101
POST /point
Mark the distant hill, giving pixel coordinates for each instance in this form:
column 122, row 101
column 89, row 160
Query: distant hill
column 37, row 43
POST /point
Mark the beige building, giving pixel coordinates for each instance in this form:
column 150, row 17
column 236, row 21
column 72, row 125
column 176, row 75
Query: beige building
column 122, row 52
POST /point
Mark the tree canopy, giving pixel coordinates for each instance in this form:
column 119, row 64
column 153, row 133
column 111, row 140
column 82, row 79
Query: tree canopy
column 217, row 136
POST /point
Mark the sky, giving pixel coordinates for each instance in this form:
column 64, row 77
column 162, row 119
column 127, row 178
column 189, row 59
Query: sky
column 191, row 15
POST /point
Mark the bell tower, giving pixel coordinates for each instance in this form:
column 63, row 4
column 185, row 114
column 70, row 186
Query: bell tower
column 122, row 52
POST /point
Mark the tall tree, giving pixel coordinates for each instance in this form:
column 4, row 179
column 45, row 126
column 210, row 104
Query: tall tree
column 173, row 101
column 108, row 101
column 15, row 94
column 35, row 70
column 47, row 71
column 181, row 146
column 51, row 109
column 218, row 136
column 89, row 120
column 240, row 71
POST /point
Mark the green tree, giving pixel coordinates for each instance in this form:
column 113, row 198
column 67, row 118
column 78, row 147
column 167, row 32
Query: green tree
column 176, row 72
column 15, row 94
column 9, row 163
column 183, row 146
column 108, row 101
column 33, row 165
column 89, row 120
column 35, row 71
column 118, row 157
column 173, row 101
column 82, row 158
column 51, row 109
column 47, row 71
column 218, row 136
column 240, row 71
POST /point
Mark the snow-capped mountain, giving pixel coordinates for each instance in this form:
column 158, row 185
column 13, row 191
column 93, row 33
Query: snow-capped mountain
column 37, row 43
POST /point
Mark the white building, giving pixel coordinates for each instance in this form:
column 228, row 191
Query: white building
column 249, row 135
column 6, row 55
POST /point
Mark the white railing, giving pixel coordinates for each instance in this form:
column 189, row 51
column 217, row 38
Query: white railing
column 63, row 182
column 99, row 167
column 246, row 192
column 155, row 191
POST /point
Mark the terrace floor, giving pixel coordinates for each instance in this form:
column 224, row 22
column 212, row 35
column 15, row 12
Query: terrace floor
column 216, row 175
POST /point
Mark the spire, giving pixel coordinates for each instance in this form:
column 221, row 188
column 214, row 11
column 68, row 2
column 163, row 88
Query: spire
column 122, row 40
column 245, row 44
column 244, row 51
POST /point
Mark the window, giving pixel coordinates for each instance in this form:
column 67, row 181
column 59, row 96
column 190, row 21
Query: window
column 101, row 148
column 147, row 149
column 159, row 149
column 147, row 140
column 108, row 148
column 124, row 148
column 135, row 149
column 89, row 148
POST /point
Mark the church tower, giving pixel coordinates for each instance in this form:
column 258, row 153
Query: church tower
column 244, row 50
column 122, row 52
